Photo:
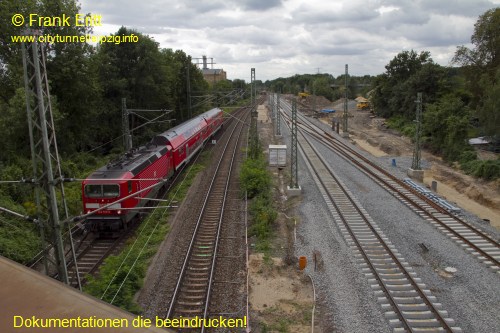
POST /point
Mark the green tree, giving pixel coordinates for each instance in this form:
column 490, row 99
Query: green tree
column 14, row 128
column 445, row 127
column 68, row 71
column 322, row 87
column 395, row 90
column 481, row 66
column 137, row 72
column 486, row 40
column 11, row 69
column 238, row 84
column 489, row 110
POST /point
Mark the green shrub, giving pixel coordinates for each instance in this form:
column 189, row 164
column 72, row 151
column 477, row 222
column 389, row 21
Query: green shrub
column 401, row 124
column 408, row 130
column 254, row 177
column 467, row 156
column 488, row 170
column 19, row 240
column 263, row 217
column 396, row 122
column 256, row 181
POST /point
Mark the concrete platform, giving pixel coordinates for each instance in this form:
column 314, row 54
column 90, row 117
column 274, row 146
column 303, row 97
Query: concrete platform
column 25, row 293
column 292, row 192
column 416, row 174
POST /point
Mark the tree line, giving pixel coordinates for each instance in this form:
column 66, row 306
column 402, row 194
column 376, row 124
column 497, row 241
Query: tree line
column 322, row 84
column 459, row 102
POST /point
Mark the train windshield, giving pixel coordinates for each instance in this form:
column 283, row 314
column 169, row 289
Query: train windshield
column 102, row 191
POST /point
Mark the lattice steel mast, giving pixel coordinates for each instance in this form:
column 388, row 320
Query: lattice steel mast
column 418, row 133
column 46, row 165
column 294, row 183
column 278, row 116
column 254, row 141
column 345, row 115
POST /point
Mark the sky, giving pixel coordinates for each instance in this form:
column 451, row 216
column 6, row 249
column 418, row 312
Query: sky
column 281, row 38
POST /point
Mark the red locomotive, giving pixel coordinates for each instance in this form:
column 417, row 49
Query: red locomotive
column 141, row 168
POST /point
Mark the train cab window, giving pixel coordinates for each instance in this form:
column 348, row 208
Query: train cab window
column 93, row 191
column 110, row 191
column 102, row 191
column 129, row 183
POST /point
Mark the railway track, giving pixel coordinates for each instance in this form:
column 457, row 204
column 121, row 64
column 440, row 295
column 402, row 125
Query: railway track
column 475, row 241
column 92, row 253
column 91, row 250
column 407, row 304
column 193, row 291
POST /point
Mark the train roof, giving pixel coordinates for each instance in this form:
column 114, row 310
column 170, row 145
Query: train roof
column 132, row 162
column 178, row 134
column 211, row 113
column 27, row 293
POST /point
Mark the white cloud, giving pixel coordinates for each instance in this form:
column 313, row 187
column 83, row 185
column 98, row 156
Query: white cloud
column 287, row 37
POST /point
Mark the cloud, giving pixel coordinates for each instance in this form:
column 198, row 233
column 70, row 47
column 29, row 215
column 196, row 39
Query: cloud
column 298, row 36
column 261, row 5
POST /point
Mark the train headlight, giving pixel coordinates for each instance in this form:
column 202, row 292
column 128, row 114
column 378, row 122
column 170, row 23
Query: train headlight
column 119, row 211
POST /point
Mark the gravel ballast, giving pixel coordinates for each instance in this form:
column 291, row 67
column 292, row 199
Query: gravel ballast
column 471, row 295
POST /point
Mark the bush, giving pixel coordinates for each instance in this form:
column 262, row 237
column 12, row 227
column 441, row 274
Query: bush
column 467, row 156
column 254, row 177
column 401, row 124
column 488, row 170
column 263, row 216
column 19, row 239
column 256, row 181
column 396, row 122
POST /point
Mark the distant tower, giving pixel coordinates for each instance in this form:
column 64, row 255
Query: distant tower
column 205, row 66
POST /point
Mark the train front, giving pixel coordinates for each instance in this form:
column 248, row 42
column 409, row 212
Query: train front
column 104, row 188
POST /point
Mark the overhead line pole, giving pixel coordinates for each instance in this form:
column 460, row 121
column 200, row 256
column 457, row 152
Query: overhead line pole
column 44, row 154
column 127, row 132
column 294, row 183
column 418, row 133
column 278, row 116
column 416, row 171
column 254, row 141
column 345, row 115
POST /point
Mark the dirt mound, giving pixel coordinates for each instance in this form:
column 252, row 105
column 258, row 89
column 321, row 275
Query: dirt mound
column 321, row 102
column 474, row 189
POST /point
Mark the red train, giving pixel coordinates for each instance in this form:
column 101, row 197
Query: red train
column 143, row 167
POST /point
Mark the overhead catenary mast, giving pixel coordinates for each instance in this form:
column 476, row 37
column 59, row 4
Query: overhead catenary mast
column 345, row 115
column 45, row 157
